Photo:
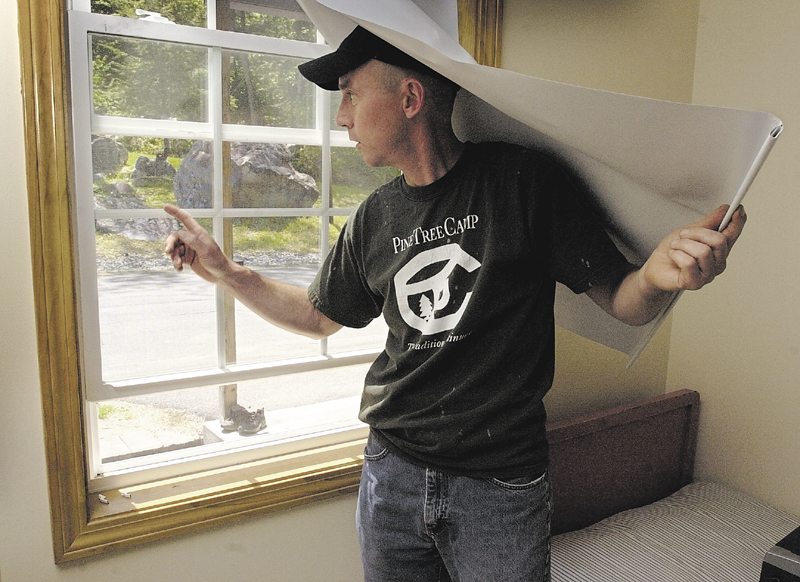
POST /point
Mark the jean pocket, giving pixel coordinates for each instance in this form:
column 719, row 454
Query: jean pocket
column 519, row 483
column 373, row 450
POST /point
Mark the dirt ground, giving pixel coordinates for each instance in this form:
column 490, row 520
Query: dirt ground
column 120, row 417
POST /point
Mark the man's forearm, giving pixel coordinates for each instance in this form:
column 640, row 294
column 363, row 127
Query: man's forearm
column 632, row 299
column 281, row 304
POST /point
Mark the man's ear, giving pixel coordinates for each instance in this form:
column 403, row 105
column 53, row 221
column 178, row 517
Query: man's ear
column 413, row 97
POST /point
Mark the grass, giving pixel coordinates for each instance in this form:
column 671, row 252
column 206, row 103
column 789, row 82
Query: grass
column 107, row 411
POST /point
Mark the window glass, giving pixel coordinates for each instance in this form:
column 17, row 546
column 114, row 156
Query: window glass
column 305, row 403
column 153, row 320
column 267, row 175
column 145, row 172
column 276, row 18
column 267, row 90
column 284, row 249
column 336, row 100
column 188, row 12
column 135, row 427
column 149, row 79
column 352, row 180
column 265, row 207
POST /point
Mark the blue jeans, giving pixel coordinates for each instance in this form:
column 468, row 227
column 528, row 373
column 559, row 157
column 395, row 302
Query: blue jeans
column 420, row 525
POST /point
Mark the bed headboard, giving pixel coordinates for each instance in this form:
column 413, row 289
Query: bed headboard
column 621, row 458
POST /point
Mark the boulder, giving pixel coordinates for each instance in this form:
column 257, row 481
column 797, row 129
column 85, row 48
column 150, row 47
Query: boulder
column 121, row 195
column 147, row 172
column 262, row 176
column 108, row 155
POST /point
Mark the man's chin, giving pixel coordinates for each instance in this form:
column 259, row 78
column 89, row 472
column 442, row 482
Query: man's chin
column 371, row 161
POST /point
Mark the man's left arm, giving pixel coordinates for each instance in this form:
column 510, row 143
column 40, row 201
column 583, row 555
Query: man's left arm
column 686, row 259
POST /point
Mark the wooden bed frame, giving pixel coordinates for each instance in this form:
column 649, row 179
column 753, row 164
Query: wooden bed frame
column 621, row 458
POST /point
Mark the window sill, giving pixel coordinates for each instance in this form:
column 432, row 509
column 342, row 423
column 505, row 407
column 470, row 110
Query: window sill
column 164, row 508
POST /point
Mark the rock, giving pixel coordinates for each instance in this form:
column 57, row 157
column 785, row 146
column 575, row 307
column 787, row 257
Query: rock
column 193, row 181
column 147, row 172
column 261, row 177
column 121, row 195
column 108, row 155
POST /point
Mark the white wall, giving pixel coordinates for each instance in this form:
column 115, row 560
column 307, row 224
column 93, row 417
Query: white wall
column 738, row 342
column 316, row 543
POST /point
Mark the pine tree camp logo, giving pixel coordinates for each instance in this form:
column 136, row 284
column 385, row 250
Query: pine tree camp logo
column 425, row 297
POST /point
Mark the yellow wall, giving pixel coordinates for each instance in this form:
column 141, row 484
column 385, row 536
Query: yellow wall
column 640, row 47
column 738, row 342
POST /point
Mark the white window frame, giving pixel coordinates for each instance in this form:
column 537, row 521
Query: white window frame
column 85, row 124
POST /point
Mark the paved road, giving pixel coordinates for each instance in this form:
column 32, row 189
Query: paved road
column 163, row 322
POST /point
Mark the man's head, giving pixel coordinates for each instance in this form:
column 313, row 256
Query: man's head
column 392, row 105
column 357, row 49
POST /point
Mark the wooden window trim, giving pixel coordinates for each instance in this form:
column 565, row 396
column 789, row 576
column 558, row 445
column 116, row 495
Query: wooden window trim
column 81, row 526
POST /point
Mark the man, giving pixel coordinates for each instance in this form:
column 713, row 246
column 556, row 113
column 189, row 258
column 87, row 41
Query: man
column 460, row 255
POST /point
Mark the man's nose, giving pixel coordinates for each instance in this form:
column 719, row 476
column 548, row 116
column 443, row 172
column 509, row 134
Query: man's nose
column 342, row 117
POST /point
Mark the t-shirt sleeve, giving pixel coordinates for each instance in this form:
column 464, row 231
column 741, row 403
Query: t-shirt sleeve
column 340, row 290
column 581, row 253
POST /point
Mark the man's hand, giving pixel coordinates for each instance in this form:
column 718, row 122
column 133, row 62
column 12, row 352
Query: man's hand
column 691, row 257
column 194, row 247
column 688, row 258
column 281, row 304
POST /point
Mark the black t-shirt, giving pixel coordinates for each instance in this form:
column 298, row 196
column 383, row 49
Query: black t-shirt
column 464, row 273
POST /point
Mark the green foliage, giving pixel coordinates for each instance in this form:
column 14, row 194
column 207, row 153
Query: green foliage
column 189, row 12
column 265, row 25
column 149, row 79
column 266, row 90
column 353, row 180
column 159, row 80
column 298, row 235
column 106, row 411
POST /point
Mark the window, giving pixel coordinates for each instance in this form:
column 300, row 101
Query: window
column 210, row 83
column 222, row 124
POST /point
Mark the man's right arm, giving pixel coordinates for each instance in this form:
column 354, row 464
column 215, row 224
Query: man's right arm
column 283, row 305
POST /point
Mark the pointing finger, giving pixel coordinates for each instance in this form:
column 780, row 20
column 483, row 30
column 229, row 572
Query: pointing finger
column 184, row 218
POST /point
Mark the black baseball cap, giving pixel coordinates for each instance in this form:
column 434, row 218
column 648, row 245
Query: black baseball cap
column 359, row 47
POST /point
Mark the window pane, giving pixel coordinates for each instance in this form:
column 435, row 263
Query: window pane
column 146, row 308
column 352, row 180
column 149, row 79
column 264, row 175
column 268, row 90
column 147, row 172
column 188, row 12
column 336, row 100
column 276, row 18
column 137, row 427
column 285, row 249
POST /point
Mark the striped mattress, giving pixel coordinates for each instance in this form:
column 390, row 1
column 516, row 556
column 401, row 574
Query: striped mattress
column 704, row 532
